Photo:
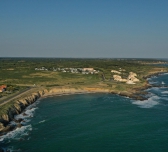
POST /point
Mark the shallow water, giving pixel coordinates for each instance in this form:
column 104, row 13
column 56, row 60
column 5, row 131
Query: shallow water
column 94, row 122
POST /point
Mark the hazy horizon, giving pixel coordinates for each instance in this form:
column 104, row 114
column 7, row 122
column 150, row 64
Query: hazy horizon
column 84, row 29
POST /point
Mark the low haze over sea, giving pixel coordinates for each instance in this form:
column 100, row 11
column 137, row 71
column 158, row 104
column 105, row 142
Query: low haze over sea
column 94, row 122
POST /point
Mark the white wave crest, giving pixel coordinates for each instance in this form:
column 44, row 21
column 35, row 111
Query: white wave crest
column 42, row 121
column 153, row 82
column 16, row 134
column 153, row 77
column 28, row 113
column 151, row 102
column 162, row 82
column 164, row 73
column 165, row 98
column 165, row 92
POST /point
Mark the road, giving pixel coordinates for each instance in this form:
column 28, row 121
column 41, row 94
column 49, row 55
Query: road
column 16, row 95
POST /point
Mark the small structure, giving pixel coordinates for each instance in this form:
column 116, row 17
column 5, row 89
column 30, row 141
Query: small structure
column 118, row 78
column 3, row 88
column 114, row 71
column 42, row 69
column 120, row 69
column 88, row 69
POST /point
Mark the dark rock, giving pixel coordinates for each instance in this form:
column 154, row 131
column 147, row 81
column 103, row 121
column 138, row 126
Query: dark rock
column 24, row 114
column 18, row 120
column 1, row 150
column 8, row 128
column 15, row 109
column 19, row 125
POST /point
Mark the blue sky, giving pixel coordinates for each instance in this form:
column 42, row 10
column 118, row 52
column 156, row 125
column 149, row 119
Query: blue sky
column 84, row 28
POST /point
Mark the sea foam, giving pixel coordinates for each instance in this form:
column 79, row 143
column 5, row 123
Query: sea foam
column 26, row 115
column 16, row 134
column 151, row 102
column 164, row 73
column 42, row 121
column 165, row 92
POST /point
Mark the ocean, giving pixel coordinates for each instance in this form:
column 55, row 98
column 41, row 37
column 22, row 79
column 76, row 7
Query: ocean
column 94, row 122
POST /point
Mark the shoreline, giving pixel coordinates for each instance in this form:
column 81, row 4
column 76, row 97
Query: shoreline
column 20, row 105
column 70, row 90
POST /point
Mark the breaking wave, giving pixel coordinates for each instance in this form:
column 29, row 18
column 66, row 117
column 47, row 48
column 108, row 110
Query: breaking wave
column 149, row 103
column 165, row 92
column 164, row 73
column 16, row 134
column 28, row 113
column 42, row 121
column 20, row 133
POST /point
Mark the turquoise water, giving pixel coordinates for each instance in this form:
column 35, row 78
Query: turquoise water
column 95, row 122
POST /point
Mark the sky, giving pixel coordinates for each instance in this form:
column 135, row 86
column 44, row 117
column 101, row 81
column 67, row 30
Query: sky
column 84, row 28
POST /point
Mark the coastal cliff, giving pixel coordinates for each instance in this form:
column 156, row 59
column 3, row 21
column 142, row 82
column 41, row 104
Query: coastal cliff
column 16, row 107
column 66, row 90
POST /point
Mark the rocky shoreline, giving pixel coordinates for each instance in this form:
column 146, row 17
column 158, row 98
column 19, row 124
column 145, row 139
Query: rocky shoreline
column 16, row 108
column 20, row 105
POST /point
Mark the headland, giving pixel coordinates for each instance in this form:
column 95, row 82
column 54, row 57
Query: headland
column 126, row 78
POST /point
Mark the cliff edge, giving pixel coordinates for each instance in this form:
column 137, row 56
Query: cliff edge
column 9, row 110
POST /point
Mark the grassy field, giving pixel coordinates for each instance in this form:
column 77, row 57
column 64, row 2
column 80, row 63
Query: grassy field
column 20, row 72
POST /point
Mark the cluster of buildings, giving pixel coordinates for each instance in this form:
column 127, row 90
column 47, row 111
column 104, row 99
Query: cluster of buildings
column 78, row 70
column 72, row 70
column 3, row 88
column 42, row 69
column 131, row 79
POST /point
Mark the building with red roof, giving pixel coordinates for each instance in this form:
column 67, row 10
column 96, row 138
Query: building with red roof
column 3, row 88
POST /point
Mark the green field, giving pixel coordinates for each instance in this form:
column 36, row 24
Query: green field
column 19, row 73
